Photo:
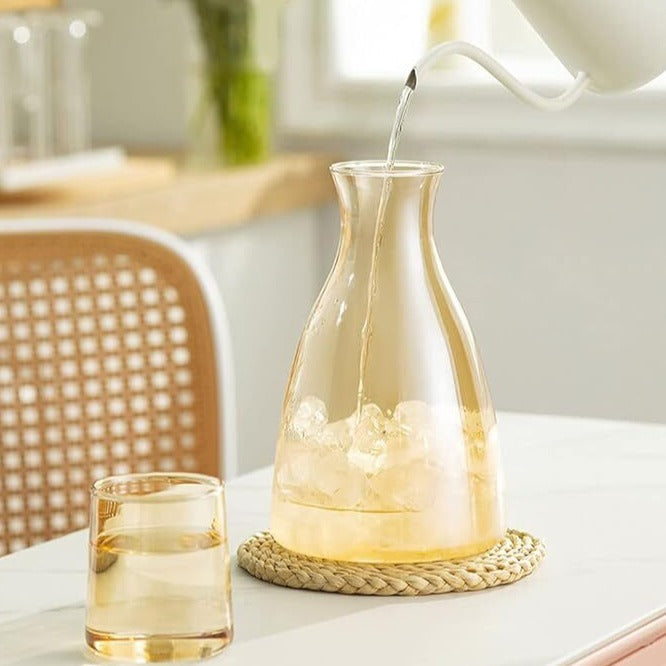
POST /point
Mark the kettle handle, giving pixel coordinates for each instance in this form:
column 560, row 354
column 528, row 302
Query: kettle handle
column 498, row 71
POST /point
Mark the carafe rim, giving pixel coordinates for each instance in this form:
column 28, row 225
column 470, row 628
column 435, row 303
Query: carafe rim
column 378, row 168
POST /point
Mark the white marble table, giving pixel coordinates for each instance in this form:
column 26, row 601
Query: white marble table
column 594, row 490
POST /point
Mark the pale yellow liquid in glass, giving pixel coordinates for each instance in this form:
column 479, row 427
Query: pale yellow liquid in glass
column 159, row 594
column 366, row 536
column 400, row 506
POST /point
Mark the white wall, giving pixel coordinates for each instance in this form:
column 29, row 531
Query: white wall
column 143, row 64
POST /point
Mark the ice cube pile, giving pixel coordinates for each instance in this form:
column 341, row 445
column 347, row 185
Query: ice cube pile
column 374, row 461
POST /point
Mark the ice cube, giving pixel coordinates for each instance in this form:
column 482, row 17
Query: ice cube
column 413, row 416
column 447, row 444
column 309, row 472
column 309, row 418
column 295, row 471
column 369, row 446
column 371, row 415
column 411, row 432
column 368, row 456
column 412, row 486
column 337, row 435
column 340, row 484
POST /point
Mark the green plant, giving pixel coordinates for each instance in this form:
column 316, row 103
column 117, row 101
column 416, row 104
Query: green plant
column 239, row 89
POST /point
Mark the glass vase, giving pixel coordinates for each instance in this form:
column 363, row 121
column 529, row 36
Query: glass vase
column 240, row 47
column 388, row 447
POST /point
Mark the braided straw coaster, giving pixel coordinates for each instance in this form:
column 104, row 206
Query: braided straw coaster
column 517, row 555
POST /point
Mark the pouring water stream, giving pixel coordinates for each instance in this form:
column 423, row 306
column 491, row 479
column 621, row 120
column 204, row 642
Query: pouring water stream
column 556, row 103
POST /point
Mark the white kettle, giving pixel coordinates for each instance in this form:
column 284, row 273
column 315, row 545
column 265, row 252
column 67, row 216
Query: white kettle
column 607, row 45
column 619, row 44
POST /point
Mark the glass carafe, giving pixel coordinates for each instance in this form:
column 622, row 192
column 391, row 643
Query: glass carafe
column 388, row 447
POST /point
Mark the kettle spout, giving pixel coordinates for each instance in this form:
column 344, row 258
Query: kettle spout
column 565, row 99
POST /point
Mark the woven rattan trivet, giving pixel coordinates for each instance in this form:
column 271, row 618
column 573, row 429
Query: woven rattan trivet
column 517, row 555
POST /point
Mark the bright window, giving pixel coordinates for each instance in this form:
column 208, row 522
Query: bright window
column 381, row 39
column 344, row 61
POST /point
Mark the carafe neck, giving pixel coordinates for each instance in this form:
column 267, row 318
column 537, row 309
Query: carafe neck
column 384, row 210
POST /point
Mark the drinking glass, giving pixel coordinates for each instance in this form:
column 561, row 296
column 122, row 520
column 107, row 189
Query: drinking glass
column 70, row 43
column 159, row 584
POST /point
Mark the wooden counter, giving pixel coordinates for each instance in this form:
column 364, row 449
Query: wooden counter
column 23, row 5
column 154, row 190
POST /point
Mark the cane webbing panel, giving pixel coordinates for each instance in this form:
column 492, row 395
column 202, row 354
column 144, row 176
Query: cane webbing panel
column 106, row 367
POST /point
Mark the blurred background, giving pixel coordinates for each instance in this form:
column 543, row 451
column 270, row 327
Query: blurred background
column 217, row 119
